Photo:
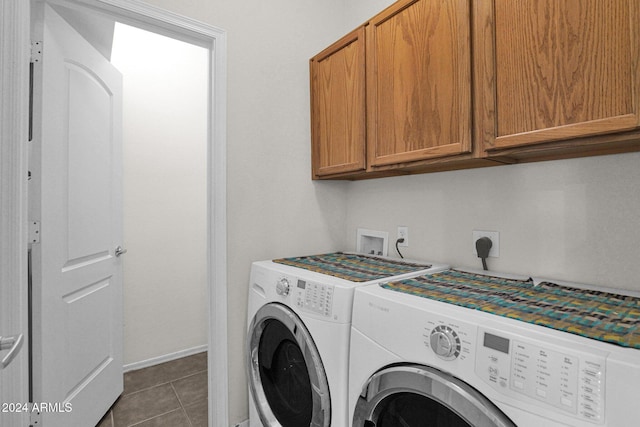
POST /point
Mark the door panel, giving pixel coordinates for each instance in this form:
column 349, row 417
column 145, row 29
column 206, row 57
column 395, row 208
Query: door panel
column 418, row 81
column 338, row 106
column 88, row 147
column 77, row 277
column 563, row 70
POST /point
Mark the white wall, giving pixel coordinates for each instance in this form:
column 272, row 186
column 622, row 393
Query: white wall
column 165, row 137
column 574, row 220
column 357, row 12
column 275, row 209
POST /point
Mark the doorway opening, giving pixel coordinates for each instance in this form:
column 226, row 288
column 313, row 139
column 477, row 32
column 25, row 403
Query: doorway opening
column 165, row 85
column 213, row 243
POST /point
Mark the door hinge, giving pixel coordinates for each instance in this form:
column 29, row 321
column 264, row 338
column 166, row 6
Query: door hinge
column 35, row 419
column 36, row 52
column 34, row 232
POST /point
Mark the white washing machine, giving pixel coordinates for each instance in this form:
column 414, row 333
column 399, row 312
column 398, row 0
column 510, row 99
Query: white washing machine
column 422, row 352
column 299, row 317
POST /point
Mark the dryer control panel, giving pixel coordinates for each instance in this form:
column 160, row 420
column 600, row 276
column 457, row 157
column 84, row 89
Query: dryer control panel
column 313, row 297
column 567, row 380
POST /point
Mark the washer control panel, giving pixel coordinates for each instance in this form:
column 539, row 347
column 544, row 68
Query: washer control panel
column 569, row 381
column 313, row 297
column 449, row 340
column 445, row 342
column 283, row 287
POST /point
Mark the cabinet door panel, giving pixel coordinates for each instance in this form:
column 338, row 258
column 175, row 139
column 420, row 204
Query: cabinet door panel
column 564, row 69
column 418, row 87
column 338, row 106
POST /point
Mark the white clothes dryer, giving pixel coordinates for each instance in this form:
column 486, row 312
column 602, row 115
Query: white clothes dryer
column 299, row 325
column 503, row 351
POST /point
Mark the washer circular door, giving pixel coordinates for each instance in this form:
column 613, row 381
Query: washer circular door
column 287, row 380
column 418, row 396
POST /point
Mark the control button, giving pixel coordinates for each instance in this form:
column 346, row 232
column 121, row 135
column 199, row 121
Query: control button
column 592, row 373
column 542, row 393
column 590, row 398
column 283, row 287
column 518, row 384
column 566, row 402
column 591, row 381
column 445, row 342
column 590, row 415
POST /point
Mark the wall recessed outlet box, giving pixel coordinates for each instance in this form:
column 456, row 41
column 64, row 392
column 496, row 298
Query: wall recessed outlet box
column 372, row 242
column 495, row 242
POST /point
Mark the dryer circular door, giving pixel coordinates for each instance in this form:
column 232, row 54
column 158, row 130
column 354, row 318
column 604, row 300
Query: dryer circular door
column 287, row 380
column 417, row 396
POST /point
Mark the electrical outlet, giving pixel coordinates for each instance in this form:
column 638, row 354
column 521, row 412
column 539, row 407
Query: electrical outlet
column 403, row 233
column 495, row 242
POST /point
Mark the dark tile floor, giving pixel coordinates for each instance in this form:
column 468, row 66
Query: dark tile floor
column 171, row 394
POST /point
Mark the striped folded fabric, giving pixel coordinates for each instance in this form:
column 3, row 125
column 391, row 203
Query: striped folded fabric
column 592, row 314
column 353, row 267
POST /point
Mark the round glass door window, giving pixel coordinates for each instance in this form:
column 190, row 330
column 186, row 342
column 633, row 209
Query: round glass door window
column 414, row 410
column 287, row 380
column 420, row 396
column 284, row 375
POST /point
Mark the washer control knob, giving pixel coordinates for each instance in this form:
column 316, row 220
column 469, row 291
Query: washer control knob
column 445, row 342
column 283, row 287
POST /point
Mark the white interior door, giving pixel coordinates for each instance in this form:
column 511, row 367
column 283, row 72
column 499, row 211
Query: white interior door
column 77, row 192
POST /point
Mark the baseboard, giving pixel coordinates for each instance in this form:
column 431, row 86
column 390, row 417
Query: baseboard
column 245, row 423
column 165, row 358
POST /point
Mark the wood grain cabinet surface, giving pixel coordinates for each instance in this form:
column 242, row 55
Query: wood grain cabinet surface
column 338, row 107
column 418, row 81
column 557, row 71
column 430, row 85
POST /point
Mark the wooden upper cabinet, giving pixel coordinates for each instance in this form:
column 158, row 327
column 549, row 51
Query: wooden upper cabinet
column 338, row 107
column 552, row 70
column 418, row 81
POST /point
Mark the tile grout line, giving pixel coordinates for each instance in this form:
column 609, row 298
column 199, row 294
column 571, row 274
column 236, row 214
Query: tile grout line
column 184, row 411
column 171, row 383
column 154, row 417
column 190, row 375
column 163, row 383
column 164, row 413
column 144, row 389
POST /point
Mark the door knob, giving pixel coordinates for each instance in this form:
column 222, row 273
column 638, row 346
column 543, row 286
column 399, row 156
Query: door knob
column 120, row 251
column 13, row 344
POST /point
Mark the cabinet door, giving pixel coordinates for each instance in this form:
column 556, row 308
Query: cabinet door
column 338, row 107
column 418, row 81
column 560, row 69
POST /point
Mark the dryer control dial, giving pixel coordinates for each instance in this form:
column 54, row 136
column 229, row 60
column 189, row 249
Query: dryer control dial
column 445, row 342
column 283, row 287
